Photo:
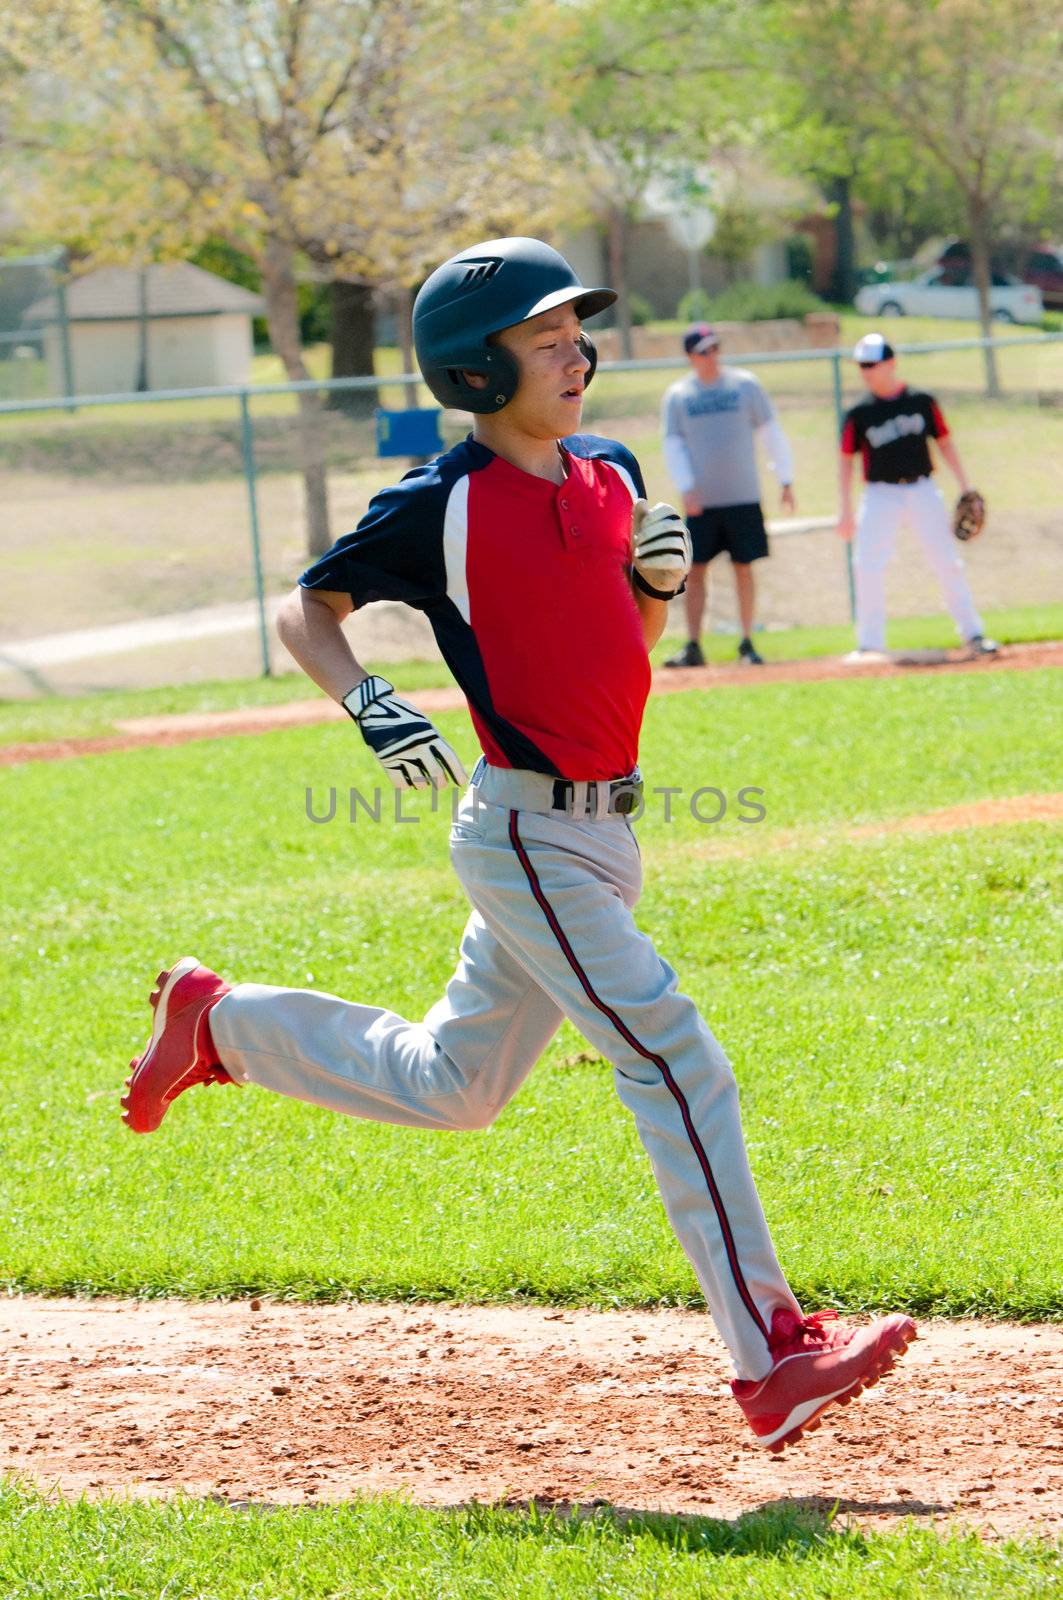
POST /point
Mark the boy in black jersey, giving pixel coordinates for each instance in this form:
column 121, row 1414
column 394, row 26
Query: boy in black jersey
column 890, row 428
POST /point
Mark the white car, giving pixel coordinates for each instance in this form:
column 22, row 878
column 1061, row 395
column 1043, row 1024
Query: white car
column 935, row 294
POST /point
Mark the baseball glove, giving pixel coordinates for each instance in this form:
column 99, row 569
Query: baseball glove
column 968, row 519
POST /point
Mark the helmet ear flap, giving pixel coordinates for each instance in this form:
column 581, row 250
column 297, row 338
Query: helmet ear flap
column 586, row 344
column 497, row 365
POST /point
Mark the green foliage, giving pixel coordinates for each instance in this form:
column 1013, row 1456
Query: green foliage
column 224, row 259
column 695, row 306
column 640, row 309
column 739, row 231
column 799, row 258
column 315, row 313
column 750, row 302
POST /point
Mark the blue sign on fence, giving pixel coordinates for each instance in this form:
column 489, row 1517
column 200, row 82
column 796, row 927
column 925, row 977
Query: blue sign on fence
column 408, row 433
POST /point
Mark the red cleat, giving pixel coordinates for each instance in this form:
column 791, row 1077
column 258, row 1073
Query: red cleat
column 180, row 1052
column 816, row 1367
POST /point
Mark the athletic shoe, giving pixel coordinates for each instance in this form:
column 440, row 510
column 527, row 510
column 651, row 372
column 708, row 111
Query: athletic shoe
column 981, row 646
column 180, row 1052
column 747, row 652
column 689, row 656
column 865, row 658
column 815, row 1367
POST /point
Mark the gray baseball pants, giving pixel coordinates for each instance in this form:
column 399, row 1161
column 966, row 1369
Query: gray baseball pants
column 551, row 935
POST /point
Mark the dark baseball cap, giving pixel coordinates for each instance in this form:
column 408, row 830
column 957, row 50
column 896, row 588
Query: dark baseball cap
column 700, row 338
column 872, row 349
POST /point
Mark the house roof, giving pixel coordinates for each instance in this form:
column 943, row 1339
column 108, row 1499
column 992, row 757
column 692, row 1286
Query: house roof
column 174, row 289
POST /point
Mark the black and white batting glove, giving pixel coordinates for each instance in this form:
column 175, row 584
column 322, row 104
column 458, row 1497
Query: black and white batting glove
column 412, row 752
column 660, row 548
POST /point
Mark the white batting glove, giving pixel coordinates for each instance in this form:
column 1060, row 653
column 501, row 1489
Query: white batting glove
column 660, row 548
column 412, row 752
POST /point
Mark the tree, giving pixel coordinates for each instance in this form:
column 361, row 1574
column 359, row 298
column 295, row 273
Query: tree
column 739, row 231
column 652, row 93
column 344, row 134
column 971, row 87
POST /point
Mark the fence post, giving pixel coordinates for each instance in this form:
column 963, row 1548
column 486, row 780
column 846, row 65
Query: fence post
column 64, row 331
column 839, row 415
column 247, row 442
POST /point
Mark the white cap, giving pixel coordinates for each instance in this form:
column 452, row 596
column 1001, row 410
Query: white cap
column 871, row 349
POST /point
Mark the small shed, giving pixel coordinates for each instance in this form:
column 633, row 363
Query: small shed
column 189, row 328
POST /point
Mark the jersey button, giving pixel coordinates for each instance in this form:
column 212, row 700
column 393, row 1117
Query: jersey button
column 564, row 505
column 574, row 531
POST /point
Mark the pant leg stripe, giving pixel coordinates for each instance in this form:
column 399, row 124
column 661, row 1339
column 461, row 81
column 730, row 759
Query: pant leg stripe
column 647, row 1055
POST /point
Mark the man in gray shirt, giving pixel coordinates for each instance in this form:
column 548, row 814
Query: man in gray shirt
column 709, row 420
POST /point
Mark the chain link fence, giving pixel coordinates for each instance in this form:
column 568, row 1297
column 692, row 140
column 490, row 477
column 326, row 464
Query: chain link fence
column 145, row 539
column 35, row 358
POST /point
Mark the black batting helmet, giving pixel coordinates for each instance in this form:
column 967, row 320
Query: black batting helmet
column 482, row 290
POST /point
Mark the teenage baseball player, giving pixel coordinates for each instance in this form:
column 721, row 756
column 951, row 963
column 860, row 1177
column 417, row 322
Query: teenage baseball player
column 546, row 579
column 709, row 420
column 890, row 428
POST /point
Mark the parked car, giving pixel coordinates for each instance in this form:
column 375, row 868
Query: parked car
column 937, row 294
column 1041, row 266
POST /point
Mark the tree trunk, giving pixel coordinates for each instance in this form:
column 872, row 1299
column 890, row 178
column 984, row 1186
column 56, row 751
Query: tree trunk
column 843, row 278
column 618, row 279
column 282, row 315
column 978, row 222
column 352, row 346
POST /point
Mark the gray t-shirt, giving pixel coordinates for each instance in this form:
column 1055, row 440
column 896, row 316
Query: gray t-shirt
column 714, row 424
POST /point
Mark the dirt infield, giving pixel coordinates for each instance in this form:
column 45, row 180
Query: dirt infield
column 269, row 1403
column 179, row 729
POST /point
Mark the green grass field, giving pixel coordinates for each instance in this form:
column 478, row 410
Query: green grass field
column 887, row 1000
column 100, row 713
column 891, row 992
column 386, row 1550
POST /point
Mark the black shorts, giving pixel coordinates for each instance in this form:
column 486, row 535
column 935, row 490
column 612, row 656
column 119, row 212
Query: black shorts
column 739, row 530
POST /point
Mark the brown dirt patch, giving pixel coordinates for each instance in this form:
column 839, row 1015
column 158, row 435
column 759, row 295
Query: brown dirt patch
column 981, row 814
column 136, row 732
column 456, row 1403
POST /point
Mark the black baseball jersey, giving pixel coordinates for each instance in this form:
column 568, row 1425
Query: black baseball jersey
column 892, row 435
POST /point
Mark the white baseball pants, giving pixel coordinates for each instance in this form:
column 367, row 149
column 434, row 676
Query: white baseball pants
column 883, row 507
column 551, row 935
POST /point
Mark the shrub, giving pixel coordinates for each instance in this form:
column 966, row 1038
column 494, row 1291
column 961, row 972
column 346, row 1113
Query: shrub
column 754, row 302
column 750, row 302
column 641, row 310
column 695, row 306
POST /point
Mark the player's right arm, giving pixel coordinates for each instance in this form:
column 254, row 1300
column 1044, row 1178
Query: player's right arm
column 395, row 553
column 677, row 453
column 846, row 519
column 309, row 628
column 846, row 524
column 411, row 749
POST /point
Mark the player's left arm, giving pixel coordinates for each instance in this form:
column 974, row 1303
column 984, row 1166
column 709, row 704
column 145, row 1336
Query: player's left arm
column 776, row 445
column 939, row 432
column 951, row 456
column 660, row 560
column 654, row 616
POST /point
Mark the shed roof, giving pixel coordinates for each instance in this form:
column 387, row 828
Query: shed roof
column 174, row 289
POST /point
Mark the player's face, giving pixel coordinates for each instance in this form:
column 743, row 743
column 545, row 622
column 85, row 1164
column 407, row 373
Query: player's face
column 882, row 378
column 553, row 368
column 706, row 365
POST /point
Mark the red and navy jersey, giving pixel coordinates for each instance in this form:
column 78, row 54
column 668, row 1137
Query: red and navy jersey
column 892, row 435
column 525, row 583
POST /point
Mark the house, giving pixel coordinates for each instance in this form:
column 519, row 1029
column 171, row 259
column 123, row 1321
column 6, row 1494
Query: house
column 166, row 326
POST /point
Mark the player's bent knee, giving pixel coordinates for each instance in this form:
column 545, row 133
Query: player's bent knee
column 469, row 1115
